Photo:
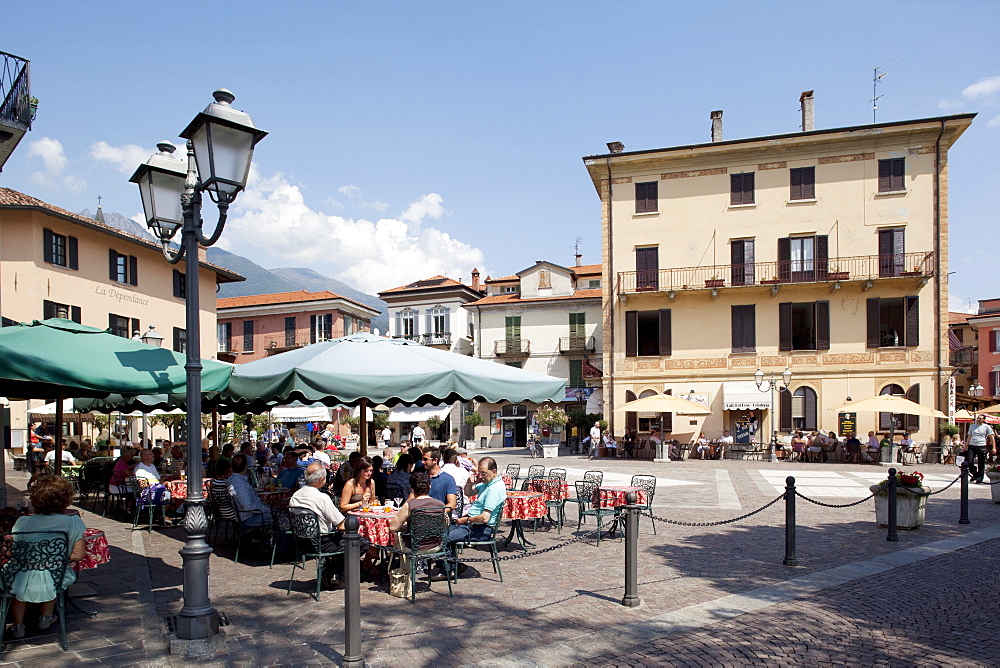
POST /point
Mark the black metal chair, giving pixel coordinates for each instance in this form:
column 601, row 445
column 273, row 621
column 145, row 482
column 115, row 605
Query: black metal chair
column 230, row 515
column 585, row 491
column 514, row 472
column 557, row 473
column 427, row 535
column 281, row 529
column 535, row 471
column 496, row 514
column 594, row 476
column 551, row 488
column 394, row 491
column 309, row 545
column 648, row 483
column 146, row 499
column 30, row 552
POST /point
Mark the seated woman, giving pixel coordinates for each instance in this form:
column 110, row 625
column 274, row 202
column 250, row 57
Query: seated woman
column 359, row 491
column 815, row 447
column 798, row 445
column 610, row 446
column 421, row 484
column 50, row 497
column 123, row 469
column 704, row 448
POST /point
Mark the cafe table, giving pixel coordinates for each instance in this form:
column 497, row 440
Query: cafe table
column 278, row 497
column 374, row 524
column 526, row 505
column 614, row 496
column 179, row 488
column 97, row 552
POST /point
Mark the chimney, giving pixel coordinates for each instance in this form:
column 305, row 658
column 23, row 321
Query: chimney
column 616, row 146
column 578, row 256
column 717, row 125
column 806, row 102
column 475, row 280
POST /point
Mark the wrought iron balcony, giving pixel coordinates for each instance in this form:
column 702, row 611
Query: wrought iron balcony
column 17, row 107
column 964, row 357
column 441, row 339
column 919, row 265
column 408, row 337
column 511, row 348
column 577, row 344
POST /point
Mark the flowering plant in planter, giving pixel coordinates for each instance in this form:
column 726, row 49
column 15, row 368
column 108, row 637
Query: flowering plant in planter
column 551, row 416
column 903, row 479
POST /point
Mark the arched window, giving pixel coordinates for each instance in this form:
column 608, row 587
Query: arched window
column 804, row 408
column 631, row 417
column 884, row 423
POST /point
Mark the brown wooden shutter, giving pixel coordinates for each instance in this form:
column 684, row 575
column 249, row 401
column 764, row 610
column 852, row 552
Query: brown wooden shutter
column 823, row 325
column 912, row 422
column 737, row 328
column 784, row 410
column 795, row 183
column 133, row 270
column 631, row 333
column 135, row 328
column 735, row 189
column 74, row 314
column 48, row 309
column 884, row 176
column 749, row 328
column 652, row 197
column 73, row 251
column 785, row 259
column 112, row 265
column 809, row 404
column 665, row 337
column 631, row 417
column 785, row 326
column 896, row 178
column 808, row 183
column 312, row 328
column 748, row 186
column 640, row 198
column 912, row 334
column 47, row 245
column 822, row 257
column 873, row 323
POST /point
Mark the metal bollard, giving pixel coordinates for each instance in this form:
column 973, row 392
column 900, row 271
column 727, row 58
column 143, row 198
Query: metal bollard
column 631, row 598
column 352, row 594
column 790, row 559
column 963, row 516
column 892, row 536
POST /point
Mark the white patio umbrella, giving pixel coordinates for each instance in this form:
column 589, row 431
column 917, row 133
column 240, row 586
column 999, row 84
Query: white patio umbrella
column 663, row 403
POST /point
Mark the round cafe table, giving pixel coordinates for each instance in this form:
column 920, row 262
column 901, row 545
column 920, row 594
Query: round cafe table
column 525, row 505
column 279, row 497
column 97, row 553
column 179, row 488
column 614, row 496
column 552, row 490
column 374, row 525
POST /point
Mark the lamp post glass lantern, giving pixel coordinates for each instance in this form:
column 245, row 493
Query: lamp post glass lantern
column 976, row 390
column 771, row 384
column 219, row 149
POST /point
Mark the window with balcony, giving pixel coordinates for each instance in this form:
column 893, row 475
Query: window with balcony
column 803, row 258
column 647, row 333
column 60, row 249
column 123, row 268
column 320, row 327
column 891, row 174
column 802, row 183
column 893, row 321
column 804, row 326
column 742, row 260
column 289, row 331
column 406, row 323
column 248, row 336
column 64, row 311
column 577, row 330
column 120, row 325
column 180, row 340
column 437, row 321
column 646, row 197
column 224, row 331
column 744, row 326
column 741, row 188
column 512, row 332
column 891, row 252
column 647, row 268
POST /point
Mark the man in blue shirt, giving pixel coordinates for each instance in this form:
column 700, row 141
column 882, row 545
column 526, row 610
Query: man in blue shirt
column 443, row 487
column 490, row 495
column 253, row 512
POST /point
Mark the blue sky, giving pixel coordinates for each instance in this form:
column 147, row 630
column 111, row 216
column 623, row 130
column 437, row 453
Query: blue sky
column 421, row 138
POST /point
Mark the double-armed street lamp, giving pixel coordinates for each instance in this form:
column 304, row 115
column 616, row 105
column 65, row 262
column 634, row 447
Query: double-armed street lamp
column 771, row 385
column 220, row 146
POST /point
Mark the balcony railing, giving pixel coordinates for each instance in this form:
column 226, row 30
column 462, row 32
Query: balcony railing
column 825, row 270
column 15, row 90
column 442, row 339
column 512, row 347
column 965, row 357
column 577, row 344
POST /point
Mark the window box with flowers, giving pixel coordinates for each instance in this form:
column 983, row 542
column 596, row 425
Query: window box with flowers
column 911, row 500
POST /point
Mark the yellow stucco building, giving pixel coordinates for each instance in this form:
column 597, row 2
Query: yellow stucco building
column 823, row 251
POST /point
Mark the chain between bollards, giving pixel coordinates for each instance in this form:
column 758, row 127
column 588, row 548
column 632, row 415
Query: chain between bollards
column 631, row 598
column 352, row 594
column 790, row 558
column 963, row 516
column 892, row 536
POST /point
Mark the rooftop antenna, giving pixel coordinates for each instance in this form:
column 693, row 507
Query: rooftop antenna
column 875, row 80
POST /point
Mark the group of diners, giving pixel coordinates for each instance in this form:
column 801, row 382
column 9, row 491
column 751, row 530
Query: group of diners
column 815, row 446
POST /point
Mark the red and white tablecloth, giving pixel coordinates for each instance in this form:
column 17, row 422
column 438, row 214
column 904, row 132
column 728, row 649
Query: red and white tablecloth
column 555, row 490
column 98, row 551
column 375, row 526
column 524, row 506
column 278, row 497
column 614, row 496
column 179, row 488
column 508, row 482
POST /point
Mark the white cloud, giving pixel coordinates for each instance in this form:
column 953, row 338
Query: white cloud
column 350, row 191
column 984, row 92
column 125, row 158
column 428, row 206
column 54, row 160
column 982, row 88
column 958, row 304
column 354, row 194
column 993, row 122
column 273, row 218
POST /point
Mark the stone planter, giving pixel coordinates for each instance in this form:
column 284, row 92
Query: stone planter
column 994, row 488
column 550, row 450
column 910, row 503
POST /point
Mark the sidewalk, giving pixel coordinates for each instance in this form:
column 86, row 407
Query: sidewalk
column 715, row 595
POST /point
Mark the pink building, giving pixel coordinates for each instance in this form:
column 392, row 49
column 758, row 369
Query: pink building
column 251, row 328
column 987, row 323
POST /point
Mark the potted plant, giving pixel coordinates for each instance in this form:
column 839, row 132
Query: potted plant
column 33, row 105
column 993, row 473
column 549, row 417
column 714, row 282
column 473, row 419
column 835, row 274
column 774, row 280
column 911, row 499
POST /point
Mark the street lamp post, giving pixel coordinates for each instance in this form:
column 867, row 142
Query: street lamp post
column 976, row 390
column 220, row 147
column 786, row 379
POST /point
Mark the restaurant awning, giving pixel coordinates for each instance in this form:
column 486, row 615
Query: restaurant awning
column 743, row 395
column 318, row 413
column 418, row 413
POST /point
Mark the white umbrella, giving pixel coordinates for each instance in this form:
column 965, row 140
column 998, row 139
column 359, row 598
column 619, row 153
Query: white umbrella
column 887, row 403
column 663, row 403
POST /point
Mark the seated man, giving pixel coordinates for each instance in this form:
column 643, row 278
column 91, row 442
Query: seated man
column 490, row 495
column 909, row 446
column 245, row 496
column 309, row 497
column 290, row 475
column 145, row 470
column 853, row 447
column 610, row 446
column 725, row 443
column 50, row 456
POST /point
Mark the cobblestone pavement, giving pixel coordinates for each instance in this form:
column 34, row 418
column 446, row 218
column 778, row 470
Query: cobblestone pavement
column 548, row 602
